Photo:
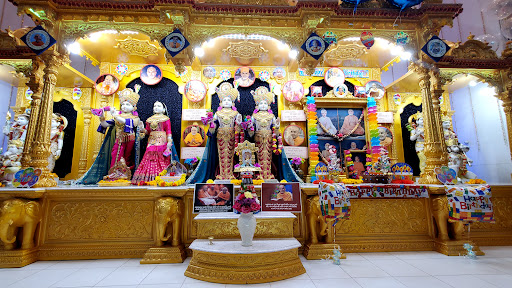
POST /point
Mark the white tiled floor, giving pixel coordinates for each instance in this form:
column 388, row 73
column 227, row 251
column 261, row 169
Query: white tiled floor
column 359, row 270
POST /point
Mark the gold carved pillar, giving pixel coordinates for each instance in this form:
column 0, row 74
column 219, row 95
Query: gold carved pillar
column 41, row 142
column 433, row 137
column 437, row 82
column 82, row 164
column 506, row 97
column 35, row 83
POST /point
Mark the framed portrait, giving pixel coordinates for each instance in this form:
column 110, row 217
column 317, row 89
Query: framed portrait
column 107, row 84
column 194, row 136
column 293, row 91
column 209, row 72
column 151, row 74
column 334, row 76
column 294, row 135
column 316, row 91
column 175, row 42
column 211, row 198
column 279, row 73
column 385, row 136
column 280, row 197
column 359, row 159
column 340, row 91
column 38, row 40
column 244, row 76
column 347, row 121
column 374, row 89
column 195, row 90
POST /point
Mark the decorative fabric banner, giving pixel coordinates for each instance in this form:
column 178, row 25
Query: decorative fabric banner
column 334, row 201
column 387, row 191
column 470, row 204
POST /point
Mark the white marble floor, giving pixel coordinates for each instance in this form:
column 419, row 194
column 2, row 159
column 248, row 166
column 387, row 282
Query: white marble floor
column 361, row 270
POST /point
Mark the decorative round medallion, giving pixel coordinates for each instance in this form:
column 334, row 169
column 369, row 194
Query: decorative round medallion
column 174, row 42
column 264, row 75
column 436, row 48
column 121, row 69
column 38, row 39
column 225, row 75
column 315, row 45
column 195, row 90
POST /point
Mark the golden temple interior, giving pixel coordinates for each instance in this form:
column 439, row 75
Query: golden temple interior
column 225, row 35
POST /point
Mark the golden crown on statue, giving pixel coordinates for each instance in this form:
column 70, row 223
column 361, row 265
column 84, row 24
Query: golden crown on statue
column 129, row 95
column 227, row 90
column 262, row 93
column 415, row 116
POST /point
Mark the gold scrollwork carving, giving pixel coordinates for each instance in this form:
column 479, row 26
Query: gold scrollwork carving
column 95, row 220
column 245, row 50
column 137, row 47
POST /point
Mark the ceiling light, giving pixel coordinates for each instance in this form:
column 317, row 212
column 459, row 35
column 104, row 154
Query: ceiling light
column 472, row 83
column 293, row 54
column 396, row 50
column 199, row 52
column 406, row 55
column 74, row 48
column 210, row 43
column 281, row 45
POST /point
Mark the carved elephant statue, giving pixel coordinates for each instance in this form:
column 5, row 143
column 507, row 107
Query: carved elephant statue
column 19, row 213
column 169, row 215
column 445, row 230
column 316, row 224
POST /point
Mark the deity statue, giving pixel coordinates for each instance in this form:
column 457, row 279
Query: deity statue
column 457, row 159
column 59, row 123
column 125, row 122
column 226, row 122
column 417, row 134
column 118, row 147
column 351, row 125
column 447, row 130
column 265, row 126
column 334, row 161
column 17, row 132
column 160, row 146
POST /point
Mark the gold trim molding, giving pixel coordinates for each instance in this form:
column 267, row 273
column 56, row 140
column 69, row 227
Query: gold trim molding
column 137, row 47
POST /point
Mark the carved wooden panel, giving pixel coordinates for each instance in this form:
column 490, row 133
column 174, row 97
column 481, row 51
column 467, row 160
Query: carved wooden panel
column 386, row 216
column 86, row 221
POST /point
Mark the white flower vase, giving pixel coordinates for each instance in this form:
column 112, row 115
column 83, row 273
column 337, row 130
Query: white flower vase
column 247, row 227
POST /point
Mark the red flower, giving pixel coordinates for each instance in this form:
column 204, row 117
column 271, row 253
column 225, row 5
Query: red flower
column 246, row 209
column 255, row 206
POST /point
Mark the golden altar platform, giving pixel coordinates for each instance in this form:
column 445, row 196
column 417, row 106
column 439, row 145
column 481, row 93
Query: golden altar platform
column 99, row 223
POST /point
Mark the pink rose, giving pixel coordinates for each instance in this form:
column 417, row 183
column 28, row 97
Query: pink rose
column 237, row 206
column 246, row 209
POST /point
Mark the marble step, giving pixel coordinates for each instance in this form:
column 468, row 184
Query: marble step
column 224, row 225
column 228, row 262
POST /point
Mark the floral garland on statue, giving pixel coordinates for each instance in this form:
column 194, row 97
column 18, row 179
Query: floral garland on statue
column 239, row 182
column 277, row 146
column 340, row 136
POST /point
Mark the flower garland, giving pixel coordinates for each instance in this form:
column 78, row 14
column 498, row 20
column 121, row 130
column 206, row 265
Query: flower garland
column 159, row 182
column 313, row 138
column 239, row 182
column 277, row 146
column 350, row 165
column 340, row 136
column 374, row 130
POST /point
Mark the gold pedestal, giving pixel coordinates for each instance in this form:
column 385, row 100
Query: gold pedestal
column 240, row 265
column 455, row 247
column 17, row 258
column 319, row 251
column 158, row 255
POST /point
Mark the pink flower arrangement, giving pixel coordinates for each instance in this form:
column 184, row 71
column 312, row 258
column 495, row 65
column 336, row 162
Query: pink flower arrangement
column 297, row 161
column 246, row 203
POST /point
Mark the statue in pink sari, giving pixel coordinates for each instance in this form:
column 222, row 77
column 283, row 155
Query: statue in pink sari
column 159, row 149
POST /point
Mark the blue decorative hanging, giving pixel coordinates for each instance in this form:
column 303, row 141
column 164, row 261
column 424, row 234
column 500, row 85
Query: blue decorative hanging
column 403, row 4
column 355, row 2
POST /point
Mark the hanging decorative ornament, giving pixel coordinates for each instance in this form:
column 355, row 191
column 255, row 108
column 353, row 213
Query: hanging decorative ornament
column 264, row 75
column 121, row 69
column 225, row 75
column 397, row 98
column 402, row 38
column 367, row 39
column 403, row 4
column 330, row 37
column 77, row 93
column 435, row 48
column 355, row 2
column 28, row 94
